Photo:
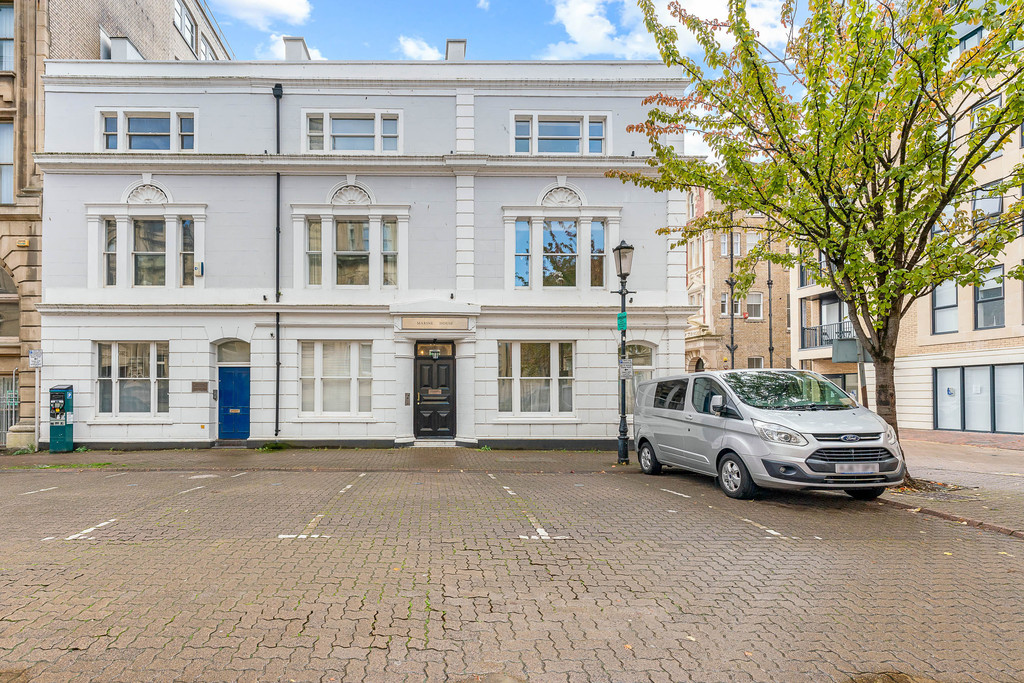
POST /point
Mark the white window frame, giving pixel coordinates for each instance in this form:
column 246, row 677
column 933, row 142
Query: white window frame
column 737, row 306
column 737, row 244
column 759, row 303
column 998, row 102
column 206, row 53
column 124, row 215
column 115, row 380
column 611, row 216
column 183, row 15
column 553, row 377
column 328, row 215
column 378, row 130
column 584, row 118
column 356, row 376
column 174, row 117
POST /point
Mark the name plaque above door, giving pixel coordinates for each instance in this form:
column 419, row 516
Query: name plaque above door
column 434, row 323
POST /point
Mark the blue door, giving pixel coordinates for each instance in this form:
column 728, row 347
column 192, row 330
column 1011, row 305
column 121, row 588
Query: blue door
column 233, row 404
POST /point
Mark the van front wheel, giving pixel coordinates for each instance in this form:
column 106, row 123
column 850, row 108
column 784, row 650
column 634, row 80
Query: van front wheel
column 648, row 461
column 734, row 479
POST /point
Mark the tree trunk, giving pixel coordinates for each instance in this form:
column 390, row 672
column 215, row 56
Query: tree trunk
column 885, row 398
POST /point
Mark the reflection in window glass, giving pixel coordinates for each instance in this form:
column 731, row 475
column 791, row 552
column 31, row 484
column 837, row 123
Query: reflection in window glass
column 560, row 253
column 353, row 252
column 522, row 256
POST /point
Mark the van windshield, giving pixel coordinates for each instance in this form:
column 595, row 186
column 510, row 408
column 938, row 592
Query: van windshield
column 788, row 390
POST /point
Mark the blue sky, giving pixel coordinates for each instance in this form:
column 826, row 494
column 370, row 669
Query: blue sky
column 417, row 29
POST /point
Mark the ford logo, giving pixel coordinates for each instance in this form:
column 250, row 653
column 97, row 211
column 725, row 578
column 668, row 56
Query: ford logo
column 850, row 438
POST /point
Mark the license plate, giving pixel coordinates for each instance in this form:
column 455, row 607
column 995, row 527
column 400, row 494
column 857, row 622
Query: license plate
column 857, row 468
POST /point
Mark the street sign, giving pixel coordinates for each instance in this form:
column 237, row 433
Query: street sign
column 35, row 358
column 625, row 368
column 622, row 321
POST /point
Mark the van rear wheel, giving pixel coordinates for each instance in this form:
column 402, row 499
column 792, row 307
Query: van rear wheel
column 734, row 479
column 648, row 460
column 865, row 494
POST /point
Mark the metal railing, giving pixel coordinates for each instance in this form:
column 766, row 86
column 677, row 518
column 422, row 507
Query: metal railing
column 822, row 336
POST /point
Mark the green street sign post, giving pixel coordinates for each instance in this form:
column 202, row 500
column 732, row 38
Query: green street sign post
column 622, row 321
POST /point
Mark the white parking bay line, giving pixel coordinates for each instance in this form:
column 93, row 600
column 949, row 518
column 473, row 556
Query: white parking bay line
column 119, row 474
column 675, row 493
column 38, row 491
column 509, row 491
column 765, row 529
column 238, row 475
column 90, row 529
column 190, row 490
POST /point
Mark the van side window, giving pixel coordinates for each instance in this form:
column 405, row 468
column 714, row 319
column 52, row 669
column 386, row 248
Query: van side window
column 704, row 388
column 670, row 394
column 675, row 401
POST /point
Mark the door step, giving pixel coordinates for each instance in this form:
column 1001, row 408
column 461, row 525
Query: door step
column 230, row 443
column 433, row 443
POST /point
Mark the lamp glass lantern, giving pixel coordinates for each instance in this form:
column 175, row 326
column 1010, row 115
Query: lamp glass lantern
column 623, row 259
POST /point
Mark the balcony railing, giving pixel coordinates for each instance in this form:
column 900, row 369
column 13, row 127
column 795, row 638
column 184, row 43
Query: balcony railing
column 823, row 335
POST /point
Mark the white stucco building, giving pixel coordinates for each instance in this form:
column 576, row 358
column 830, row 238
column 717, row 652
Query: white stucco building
column 427, row 254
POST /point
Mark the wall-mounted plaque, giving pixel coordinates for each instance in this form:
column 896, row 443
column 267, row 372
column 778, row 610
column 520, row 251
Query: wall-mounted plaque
column 200, row 387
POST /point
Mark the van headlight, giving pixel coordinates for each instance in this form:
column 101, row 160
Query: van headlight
column 890, row 435
column 779, row 434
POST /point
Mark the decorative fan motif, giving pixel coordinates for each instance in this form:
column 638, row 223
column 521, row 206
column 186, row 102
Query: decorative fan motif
column 147, row 194
column 350, row 194
column 562, row 196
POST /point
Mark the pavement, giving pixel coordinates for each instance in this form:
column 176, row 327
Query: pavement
column 468, row 565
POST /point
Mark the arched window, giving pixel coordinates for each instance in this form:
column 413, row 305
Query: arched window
column 10, row 308
column 642, row 356
column 699, row 365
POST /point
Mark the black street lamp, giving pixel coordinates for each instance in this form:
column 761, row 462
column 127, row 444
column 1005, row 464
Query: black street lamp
column 623, row 264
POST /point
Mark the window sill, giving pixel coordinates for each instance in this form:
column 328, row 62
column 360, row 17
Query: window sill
column 124, row 420
column 537, row 418
column 320, row 419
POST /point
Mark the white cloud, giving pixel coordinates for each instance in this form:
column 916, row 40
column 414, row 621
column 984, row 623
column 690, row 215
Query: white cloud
column 274, row 49
column 615, row 28
column 260, row 13
column 484, row 4
column 417, row 48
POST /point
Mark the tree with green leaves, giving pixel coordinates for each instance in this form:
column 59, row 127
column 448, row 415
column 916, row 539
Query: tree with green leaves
column 863, row 139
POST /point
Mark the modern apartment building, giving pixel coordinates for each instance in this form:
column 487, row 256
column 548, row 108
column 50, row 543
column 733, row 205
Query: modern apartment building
column 31, row 32
column 758, row 323
column 960, row 357
column 351, row 253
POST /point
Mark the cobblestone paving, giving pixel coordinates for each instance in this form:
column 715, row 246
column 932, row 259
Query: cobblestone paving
column 499, row 574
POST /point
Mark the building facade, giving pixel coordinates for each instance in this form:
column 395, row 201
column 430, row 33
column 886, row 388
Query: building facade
column 31, row 32
column 757, row 323
column 351, row 253
column 960, row 356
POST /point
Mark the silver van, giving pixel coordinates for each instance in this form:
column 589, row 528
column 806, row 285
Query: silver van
column 781, row 429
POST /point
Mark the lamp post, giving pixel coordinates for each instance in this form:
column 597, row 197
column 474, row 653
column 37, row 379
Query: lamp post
column 623, row 265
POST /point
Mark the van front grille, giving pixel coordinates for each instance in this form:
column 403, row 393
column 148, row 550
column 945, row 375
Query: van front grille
column 839, row 436
column 851, row 455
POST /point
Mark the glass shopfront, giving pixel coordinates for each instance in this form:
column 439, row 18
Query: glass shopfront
column 980, row 398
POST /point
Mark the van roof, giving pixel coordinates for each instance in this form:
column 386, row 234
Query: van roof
column 714, row 373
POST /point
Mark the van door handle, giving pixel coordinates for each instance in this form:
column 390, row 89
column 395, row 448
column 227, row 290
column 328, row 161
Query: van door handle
column 687, row 416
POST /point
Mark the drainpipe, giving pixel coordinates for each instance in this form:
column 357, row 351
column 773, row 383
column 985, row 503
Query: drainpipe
column 278, row 92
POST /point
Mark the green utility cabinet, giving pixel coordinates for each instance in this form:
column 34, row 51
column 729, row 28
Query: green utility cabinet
column 62, row 412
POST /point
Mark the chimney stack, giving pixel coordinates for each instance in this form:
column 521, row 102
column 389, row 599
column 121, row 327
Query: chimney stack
column 455, row 51
column 295, row 49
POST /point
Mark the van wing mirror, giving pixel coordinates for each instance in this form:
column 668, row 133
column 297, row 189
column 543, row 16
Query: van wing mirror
column 717, row 405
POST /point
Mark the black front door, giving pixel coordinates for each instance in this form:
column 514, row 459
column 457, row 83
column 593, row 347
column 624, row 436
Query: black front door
column 435, row 390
